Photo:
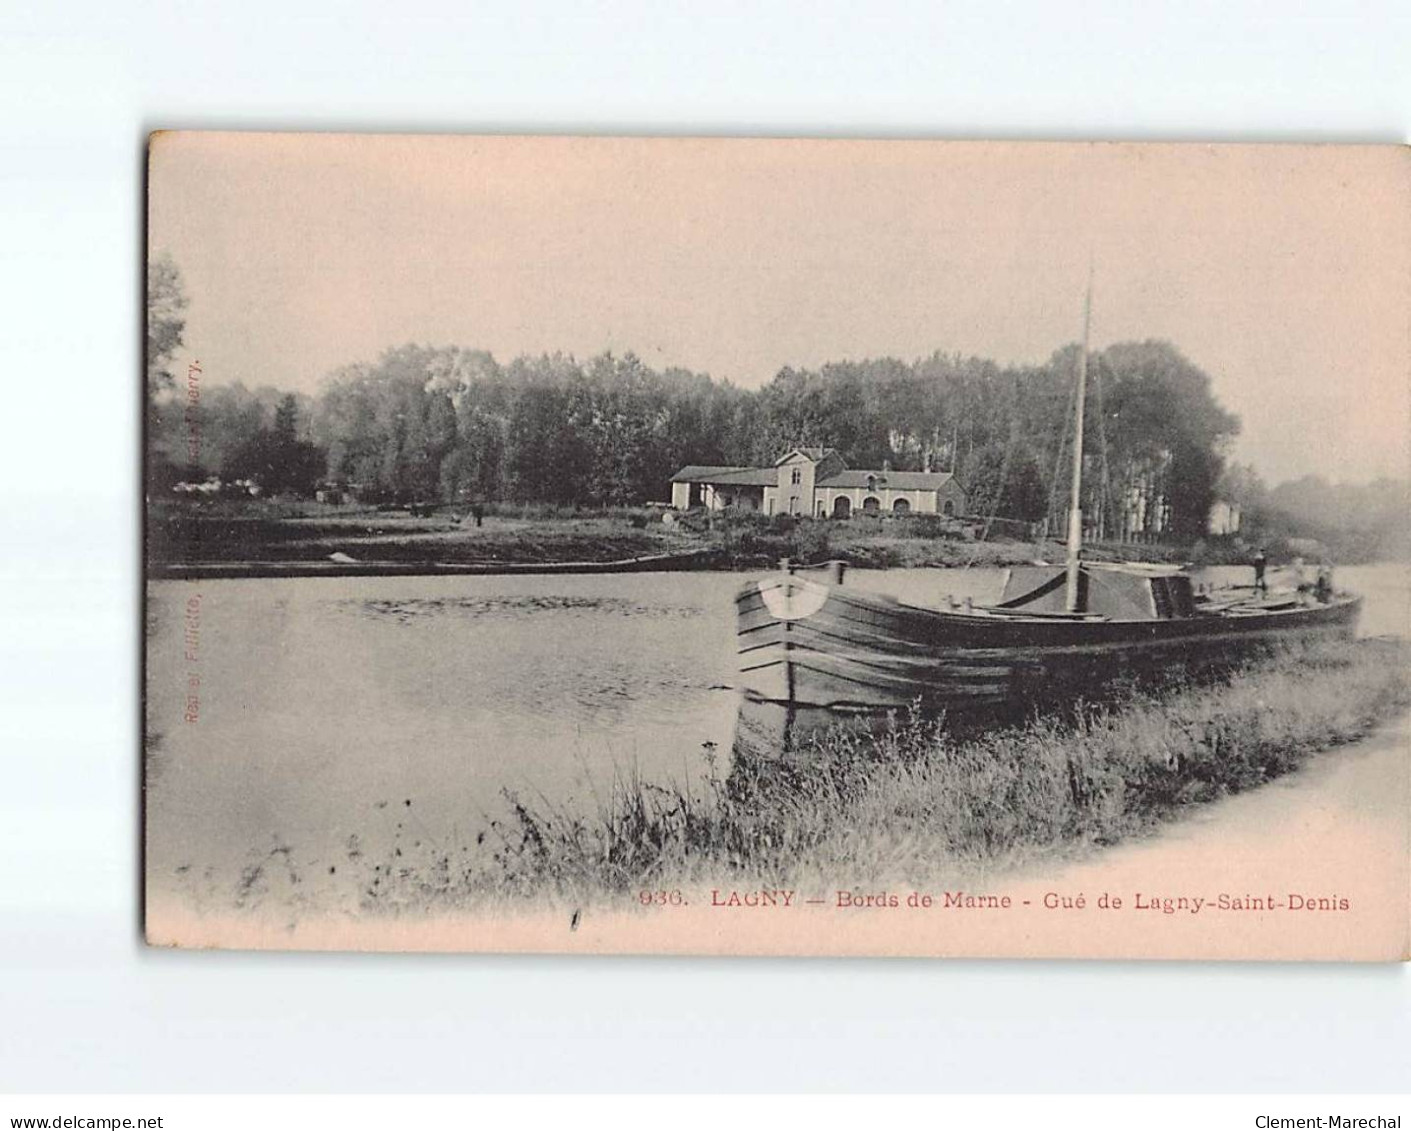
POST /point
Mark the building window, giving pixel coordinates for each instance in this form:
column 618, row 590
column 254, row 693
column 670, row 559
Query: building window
column 871, row 505
column 949, row 509
column 796, row 475
column 901, row 506
column 872, row 483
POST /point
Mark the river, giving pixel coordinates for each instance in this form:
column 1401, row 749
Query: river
column 307, row 718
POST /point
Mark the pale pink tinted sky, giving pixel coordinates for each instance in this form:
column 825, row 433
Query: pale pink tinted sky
column 1283, row 271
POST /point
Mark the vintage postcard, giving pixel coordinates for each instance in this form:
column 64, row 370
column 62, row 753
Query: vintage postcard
column 789, row 547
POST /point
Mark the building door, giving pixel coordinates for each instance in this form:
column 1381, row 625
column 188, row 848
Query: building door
column 842, row 507
column 901, row 506
column 871, row 505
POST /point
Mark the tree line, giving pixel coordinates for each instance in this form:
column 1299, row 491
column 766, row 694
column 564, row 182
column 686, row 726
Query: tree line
column 1353, row 522
column 458, row 425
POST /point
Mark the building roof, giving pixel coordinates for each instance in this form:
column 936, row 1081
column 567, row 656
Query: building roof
column 815, row 454
column 769, row 477
column 730, row 476
column 896, row 480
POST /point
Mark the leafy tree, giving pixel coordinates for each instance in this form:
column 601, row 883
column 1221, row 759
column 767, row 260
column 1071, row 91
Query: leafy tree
column 454, row 423
column 1166, row 435
column 168, row 450
column 166, row 319
column 276, row 458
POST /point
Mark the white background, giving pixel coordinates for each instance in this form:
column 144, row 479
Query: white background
column 84, row 1007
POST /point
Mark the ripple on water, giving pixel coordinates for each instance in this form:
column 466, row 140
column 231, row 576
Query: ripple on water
column 513, row 607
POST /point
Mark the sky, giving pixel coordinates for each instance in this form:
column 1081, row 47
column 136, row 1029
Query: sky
column 1282, row 271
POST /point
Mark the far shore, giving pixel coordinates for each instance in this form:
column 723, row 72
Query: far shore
column 297, row 539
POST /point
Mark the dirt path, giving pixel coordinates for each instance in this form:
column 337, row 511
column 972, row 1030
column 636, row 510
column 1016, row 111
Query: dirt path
column 1336, row 834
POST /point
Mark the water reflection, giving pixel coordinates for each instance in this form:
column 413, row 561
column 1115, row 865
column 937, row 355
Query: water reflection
column 321, row 699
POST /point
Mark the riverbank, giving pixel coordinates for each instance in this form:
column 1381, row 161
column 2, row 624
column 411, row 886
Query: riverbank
column 264, row 539
column 396, row 538
column 921, row 803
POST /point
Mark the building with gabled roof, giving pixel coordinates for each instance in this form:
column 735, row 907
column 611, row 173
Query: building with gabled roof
column 818, row 482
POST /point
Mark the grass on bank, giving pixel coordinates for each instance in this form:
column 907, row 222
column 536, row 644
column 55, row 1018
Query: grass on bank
column 231, row 530
column 189, row 534
column 919, row 803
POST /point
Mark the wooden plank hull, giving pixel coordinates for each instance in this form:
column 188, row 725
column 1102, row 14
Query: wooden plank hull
column 810, row 645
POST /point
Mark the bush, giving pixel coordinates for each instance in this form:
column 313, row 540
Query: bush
column 920, row 798
column 809, row 542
